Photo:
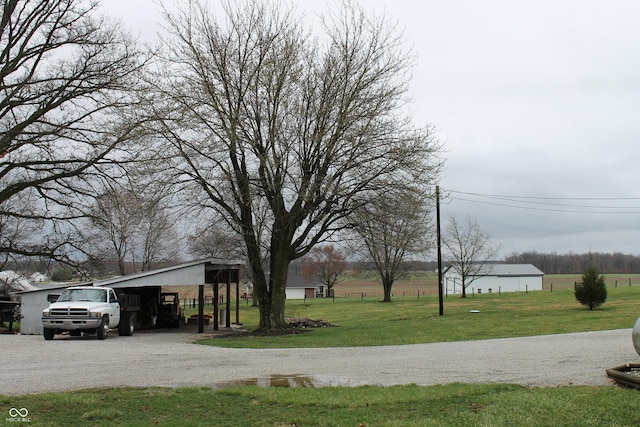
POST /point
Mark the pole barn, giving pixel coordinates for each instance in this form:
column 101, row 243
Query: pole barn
column 146, row 286
column 496, row 277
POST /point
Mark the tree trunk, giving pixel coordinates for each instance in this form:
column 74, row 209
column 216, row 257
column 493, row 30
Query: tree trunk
column 387, row 283
column 260, row 288
column 278, row 282
column 271, row 292
column 121, row 266
column 272, row 298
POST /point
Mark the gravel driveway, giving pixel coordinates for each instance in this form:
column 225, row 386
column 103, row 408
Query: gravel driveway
column 33, row 365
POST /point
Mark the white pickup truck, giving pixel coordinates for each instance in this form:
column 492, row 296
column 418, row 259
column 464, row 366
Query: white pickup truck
column 88, row 309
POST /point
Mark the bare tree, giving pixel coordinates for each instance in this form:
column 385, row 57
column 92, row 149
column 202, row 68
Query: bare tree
column 327, row 263
column 393, row 228
column 217, row 240
column 112, row 226
column 15, row 232
column 264, row 117
column 67, row 77
column 470, row 250
column 130, row 225
column 158, row 236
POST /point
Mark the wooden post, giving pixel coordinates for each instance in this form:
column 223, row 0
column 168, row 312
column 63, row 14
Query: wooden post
column 227, row 319
column 216, row 299
column 238, row 298
column 200, row 309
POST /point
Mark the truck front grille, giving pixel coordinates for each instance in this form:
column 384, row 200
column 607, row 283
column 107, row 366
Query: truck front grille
column 69, row 311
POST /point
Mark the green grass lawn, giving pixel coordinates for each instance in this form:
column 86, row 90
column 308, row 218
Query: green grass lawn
column 411, row 320
column 448, row 405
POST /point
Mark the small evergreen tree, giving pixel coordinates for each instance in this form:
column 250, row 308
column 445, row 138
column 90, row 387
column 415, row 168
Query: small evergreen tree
column 592, row 292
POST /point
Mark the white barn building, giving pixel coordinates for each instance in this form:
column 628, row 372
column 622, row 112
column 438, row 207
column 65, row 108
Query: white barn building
column 495, row 277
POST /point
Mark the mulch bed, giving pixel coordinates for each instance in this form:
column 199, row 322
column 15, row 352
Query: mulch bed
column 296, row 326
column 309, row 323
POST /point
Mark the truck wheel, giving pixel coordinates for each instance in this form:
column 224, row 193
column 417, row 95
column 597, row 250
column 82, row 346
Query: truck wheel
column 48, row 333
column 103, row 329
column 127, row 325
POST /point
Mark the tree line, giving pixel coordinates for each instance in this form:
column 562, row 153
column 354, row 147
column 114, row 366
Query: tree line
column 547, row 262
column 572, row 263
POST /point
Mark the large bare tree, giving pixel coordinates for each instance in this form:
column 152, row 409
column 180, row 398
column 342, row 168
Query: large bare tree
column 266, row 117
column 470, row 250
column 395, row 228
column 67, row 76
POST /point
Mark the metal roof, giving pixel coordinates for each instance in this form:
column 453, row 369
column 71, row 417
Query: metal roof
column 514, row 270
column 187, row 274
column 500, row 269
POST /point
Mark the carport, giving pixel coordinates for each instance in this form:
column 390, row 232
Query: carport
column 145, row 285
column 204, row 272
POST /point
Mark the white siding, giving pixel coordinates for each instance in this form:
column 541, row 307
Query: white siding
column 294, row 293
column 500, row 278
column 507, row 284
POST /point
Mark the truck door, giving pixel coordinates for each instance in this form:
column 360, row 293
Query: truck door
column 114, row 312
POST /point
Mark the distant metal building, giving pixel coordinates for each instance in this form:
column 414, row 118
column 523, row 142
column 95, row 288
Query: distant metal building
column 147, row 285
column 496, row 277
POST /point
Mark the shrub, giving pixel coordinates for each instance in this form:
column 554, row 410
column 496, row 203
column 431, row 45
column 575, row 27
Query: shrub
column 592, row 292
column 61, row 275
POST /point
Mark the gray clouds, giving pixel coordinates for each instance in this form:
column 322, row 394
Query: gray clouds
column 534, row 99
column 530, row 98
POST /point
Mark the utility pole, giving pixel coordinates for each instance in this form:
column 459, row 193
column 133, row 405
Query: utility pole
column 440, row 290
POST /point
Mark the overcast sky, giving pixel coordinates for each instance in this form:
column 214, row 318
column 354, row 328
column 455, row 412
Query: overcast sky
column 537, row 104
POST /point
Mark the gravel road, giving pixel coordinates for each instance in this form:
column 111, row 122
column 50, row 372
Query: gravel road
column 33, row 365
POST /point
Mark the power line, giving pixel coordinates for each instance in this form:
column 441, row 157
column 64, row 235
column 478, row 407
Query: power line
column 539, row 204
column 543, row 198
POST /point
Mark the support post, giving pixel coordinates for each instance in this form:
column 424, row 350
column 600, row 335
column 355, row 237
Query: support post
column 216, row 300
column 237, row 299
column 200, row 309
column 227, row 319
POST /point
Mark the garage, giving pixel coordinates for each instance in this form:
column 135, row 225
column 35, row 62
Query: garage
column 142, row 293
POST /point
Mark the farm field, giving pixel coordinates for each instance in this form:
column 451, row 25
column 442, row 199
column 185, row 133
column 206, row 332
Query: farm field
column 356, row 285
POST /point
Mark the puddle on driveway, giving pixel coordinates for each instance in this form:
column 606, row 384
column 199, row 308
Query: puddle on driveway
column 306, row 381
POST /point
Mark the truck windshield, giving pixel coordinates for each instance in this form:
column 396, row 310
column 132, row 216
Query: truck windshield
column 93, row 295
